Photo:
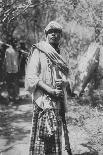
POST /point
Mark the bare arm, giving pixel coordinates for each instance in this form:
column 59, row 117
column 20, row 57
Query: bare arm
column 49, row 90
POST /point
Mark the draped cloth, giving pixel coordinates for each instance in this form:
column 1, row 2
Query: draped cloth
column 53, row 55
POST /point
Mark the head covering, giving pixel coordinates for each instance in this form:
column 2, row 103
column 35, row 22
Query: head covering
column 53, row 25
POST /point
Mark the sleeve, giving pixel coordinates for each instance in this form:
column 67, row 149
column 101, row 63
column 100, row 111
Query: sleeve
column 32, row 72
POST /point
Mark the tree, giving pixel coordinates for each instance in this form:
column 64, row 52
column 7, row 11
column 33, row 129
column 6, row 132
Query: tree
column 9, row 13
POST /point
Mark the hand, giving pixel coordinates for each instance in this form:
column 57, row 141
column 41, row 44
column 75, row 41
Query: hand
column 58, row 93
column 76, row 94
column 55, row 92
column 61, row 83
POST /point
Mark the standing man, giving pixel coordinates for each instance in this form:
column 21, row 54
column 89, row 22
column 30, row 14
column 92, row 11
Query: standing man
column 11, row 60
column 47, row 79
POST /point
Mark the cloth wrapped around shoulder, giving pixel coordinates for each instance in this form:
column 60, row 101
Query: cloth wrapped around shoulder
column 56, row 58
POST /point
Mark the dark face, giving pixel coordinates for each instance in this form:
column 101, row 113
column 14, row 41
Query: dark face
column 54, row 36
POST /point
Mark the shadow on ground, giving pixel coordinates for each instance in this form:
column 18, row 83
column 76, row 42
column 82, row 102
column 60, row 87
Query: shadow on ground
column 15, row 120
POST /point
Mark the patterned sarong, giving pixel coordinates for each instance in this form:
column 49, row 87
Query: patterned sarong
column 50, row 145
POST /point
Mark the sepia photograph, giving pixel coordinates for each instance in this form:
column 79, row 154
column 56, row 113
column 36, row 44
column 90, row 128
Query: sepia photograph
column 51, row 77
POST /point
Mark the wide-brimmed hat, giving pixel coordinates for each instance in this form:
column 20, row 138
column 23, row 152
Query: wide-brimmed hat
column 53, row 25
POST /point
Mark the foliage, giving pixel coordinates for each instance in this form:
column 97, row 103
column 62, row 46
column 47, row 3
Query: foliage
column 26, row 19
column 34, row 15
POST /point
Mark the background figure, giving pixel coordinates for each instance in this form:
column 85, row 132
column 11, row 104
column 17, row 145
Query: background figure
column 2, row 63
column 11, row 60
column 47, row 79
column 2, row 68
column 23, row 53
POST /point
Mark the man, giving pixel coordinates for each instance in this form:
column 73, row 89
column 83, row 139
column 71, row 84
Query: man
column 22, row 58
column 11, row 62
column 46, row 79
column 2, row 61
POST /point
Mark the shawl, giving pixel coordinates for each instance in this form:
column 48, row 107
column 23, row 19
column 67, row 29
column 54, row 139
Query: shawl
column 53, row 56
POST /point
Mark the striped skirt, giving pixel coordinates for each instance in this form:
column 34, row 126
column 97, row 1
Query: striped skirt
column 45, row 146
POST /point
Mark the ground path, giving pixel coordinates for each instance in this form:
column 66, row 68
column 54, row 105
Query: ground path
column 85, row 125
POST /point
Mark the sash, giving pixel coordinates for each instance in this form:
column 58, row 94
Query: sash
column 53, row 56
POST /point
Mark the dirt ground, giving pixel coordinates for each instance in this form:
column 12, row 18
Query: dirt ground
column 85, row 126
